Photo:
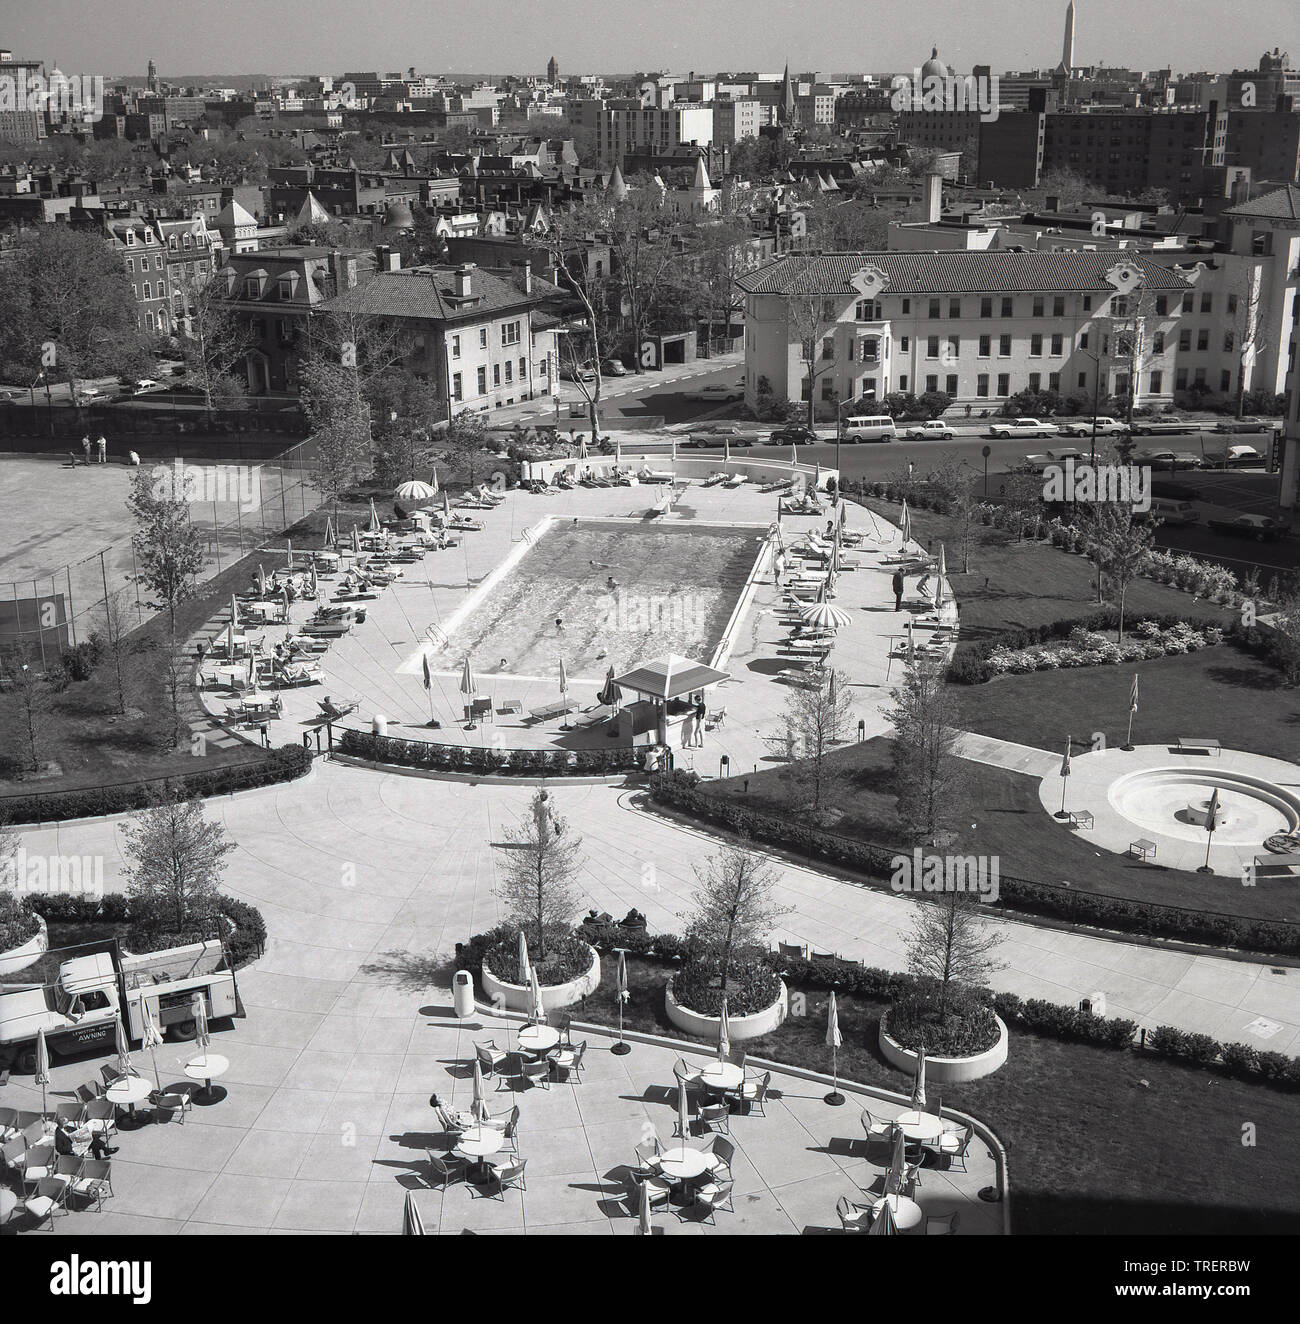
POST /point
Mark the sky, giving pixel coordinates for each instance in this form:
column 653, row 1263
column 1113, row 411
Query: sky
column 626, row 36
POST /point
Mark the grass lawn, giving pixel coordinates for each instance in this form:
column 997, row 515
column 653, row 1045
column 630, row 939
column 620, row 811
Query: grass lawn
column 1097, row 1140
column 999, row 813
column 1015, row 585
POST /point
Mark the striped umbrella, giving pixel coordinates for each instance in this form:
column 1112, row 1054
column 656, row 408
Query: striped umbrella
column 918, row 1086
column 123, row 1050
column 43, row 1064
column 643, row 1218
column 412, row 1223
column 724, row 1034
column 150, row 1037
column 414, row 490
column 825, row 616
column 202, row 1036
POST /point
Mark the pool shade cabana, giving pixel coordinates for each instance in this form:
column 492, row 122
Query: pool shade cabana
column 670, row 677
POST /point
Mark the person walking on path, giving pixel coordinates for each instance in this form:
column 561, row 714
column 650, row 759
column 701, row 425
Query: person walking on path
column 898, row 590
column 102, row 443
column 85, row 446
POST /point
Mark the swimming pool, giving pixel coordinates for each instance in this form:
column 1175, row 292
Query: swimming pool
column 622, row 592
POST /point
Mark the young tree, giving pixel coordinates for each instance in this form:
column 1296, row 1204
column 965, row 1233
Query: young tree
column 175, row 859
column 735, row 902
column 1118, row 545
column 950, row 943
column 538, row 870
column 810, row 316
column 29, row 705
column 168, row 548
column 1244, row 334
column 817, row 718
column 1286, row 625
column 113, row 646
column 215, row 342
column 927, row 770
column 951, row 479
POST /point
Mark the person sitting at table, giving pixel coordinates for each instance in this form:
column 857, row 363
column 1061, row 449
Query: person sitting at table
column 66, row 1137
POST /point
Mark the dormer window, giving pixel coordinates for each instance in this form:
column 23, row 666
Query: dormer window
column 285, row 286
column 252, row 287
column 187, row 240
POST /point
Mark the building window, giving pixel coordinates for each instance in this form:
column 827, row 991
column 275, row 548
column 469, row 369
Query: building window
column 1162, row 305
column 931, row 382
column 1184, row 341
column 986, row 346
column 905, row 343
column 986, row 307
column 982, row 385
column 510, row 333
column 1058, row 345
column 954, row 347
column 907, row 307
column 867, row 310
column 1036, row 346
column 1006, row 307
column 1083, row 380
column 932, row 347
column 1199, row 378
column 1087, row 303
column 148, row 290
column 1054, row 381
column 1158, row 343
column 1232, row 304
column 482, row 337
column 482, row 380
column 1229, row 339
column 1180, row 380
column 1225, row 382
column 1035, row 381
column 510, row 372
column 950, row 384
column 455, row 347
column 1207, row 303
column 1058, row 305
column 954, row 307
column 1203, row 338
column 902, row 382
column 1004, row 347
column 523, row 369
column 1038, row 305
column 935, row 305
column 496, row 374
column 456, row 390
column 828, row 348
column 130, row 266
column 1189, row 303
column 828, row 388
column 1083, row 341
column 1004, row 383
column 1157, row 382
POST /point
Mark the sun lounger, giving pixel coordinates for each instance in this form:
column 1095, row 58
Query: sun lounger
column 736, row 480
column 549, row 710
column 331, row 711
column 655, row 476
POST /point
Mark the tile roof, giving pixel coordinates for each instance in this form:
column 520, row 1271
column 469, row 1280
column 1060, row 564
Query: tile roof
column 935, row 273
column 1283, row 203
column 430, row 293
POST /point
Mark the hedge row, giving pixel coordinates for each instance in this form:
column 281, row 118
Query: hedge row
column 681, row 790
column 278, row 765
column 484, row 759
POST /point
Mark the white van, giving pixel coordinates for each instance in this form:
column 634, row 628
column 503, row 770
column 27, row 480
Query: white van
column 870, row 427
column 1171, row 511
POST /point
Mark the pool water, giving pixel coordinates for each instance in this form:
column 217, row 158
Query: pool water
column 673, row 589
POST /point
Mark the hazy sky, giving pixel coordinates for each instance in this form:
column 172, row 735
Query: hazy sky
column 304, row 36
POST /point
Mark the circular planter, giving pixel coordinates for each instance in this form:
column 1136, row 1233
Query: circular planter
column 948, row 1070
column 20, row 957
column 739, row 1028
column 519, row 997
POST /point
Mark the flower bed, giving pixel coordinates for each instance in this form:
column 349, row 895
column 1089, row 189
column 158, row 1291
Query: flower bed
column 23, row 934
column 487, row 759
column 752, row 986
column 967, row 1027
column 751, row 1025
column 1088, row 648
column 948, row 1069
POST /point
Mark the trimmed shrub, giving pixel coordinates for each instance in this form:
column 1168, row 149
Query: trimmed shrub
column 967, row 1026
column 567, row 955
column 752, row 984
column 486, row 760
column 19, row 921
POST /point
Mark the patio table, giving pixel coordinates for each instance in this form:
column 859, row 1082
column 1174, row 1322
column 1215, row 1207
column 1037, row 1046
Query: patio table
column 206, row 1067
column 722, row 1076
column 127, row 1092
column 478, row 1143
column 538, row 1038
column 682, row 1166
column 907, row 1213
column 916, row 1125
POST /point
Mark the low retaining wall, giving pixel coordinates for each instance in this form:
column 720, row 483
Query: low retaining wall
column 519, row 997
column 27, row 953
column 739, row 1028
column 948, row 1070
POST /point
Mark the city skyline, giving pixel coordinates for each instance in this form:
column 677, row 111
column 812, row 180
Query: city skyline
column 294, row 38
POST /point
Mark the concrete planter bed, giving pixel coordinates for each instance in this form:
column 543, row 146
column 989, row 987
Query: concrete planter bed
column 519, row 997
column 26, row 953
column 947, row 1070
column 739, row 1028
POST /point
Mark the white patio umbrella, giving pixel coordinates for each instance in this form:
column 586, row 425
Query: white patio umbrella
column 794, row 456
column 724, row 1034
column 234, row 613
column 884, row 1225
column 414, row 490
column 315, row 583
column 834, row 1041
column 373, row 526
column 151, row 1038
column 539, row 1009
column 123, row 1050
column 644, row 1226
column 621, row 989
column 288, row 553
column 42, row 1064
column 479, row 1102
column 261, row 582
column 330, row 537
column 683, row 1111
column 564, row 689
column 202, row 1036
column 412, row 1223
column 525, row 966
column 433, row 481
column 726, row 451
column 918, row 1086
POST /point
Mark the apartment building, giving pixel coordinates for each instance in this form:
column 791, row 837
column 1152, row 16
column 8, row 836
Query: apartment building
column 624, row 124
column 981, row 326
column 142, row 248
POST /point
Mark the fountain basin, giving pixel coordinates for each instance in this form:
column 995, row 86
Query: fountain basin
column 1175, row 801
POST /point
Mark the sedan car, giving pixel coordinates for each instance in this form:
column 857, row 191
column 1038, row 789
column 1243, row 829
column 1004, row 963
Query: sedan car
column 1167, row 459
column 613, row 368
column 933, row 429
column 1241, row 425
column 1082, row 427
column 586, row 373
column 1150, row 427
column 1233, row 457
column 1260, row 527
column 794, row 434
column 144, row 384
column 718, row 392
column 1022, row 427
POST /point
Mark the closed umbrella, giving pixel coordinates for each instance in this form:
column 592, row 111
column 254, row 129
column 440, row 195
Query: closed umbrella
column 726, row 451
column 884, row 1224
column 621, row 989
column 1132, row 708
column 643, row 1218
column 479, row 1103
column 467, row 685
column 315, row 583
column 834, row 1041
column 261, row 582
column 525, row 966
column 918, row 1086
column 433, row 481
column 284, row 598
column 905, row 523
column 724, row 1034
column 123, row 1049
column 329, row 540
column 897, row 1164
column 42, row 1064
column 539, row 1010
column 683, row 1111
column 151, row 1038
column 373, row 526
column 356, row 541
column 234, row 613
column 844, row 517
column 610, row 695
column 564, row 690
column 940, row 589
column 412, row 1223
column 1065, row 776
column 202, row 1037
column 446, row 507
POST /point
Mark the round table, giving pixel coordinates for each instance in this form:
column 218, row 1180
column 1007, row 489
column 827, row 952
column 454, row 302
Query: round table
column 722, row 1076
column 477, row 1143
column 916, row 1125
column 8, row 1203
column 907, row 1213
column 127, row 1092
column 681, row 1166
column 207, row 1067
column 538, row 1038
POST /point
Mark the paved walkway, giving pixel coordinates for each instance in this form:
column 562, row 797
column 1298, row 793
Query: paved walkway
column 1007, row 754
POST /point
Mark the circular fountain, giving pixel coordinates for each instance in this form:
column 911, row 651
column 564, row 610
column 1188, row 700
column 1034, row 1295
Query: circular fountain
column 1175, row 801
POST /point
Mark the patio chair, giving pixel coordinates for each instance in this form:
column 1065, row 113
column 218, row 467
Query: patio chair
column 47, row 1201
column 38, row 1162
column 101, row 1115
column 954, row 1145
column 713, row 1196
column 721, row 1152
column 537, row 1073
column 853, row 1217
column 753, row 1092
column 507, row 1175
column 95, row 1179
column 11, row 1154
column 562, row 1021
column 716, row 1115
column 8, row 1123
column 110, row 1074
column 647, row 1155
column 797, row 950
column 660, row 1191
column 490, row 1057
column 71, row 1111
column 877, row 1128
column 738, row 1057
column 686, row 1074
column 89, row 1092
column 510, row 1132
column 569, row 1060
column 942, row 1225
column 67, row 1168
column 823, row 958
column 168, row 1107
column 444, row 1168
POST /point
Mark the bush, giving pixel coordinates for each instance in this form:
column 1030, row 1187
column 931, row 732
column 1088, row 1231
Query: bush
column 751, row 987
column 967, row 1027
column 567, row 955
column 18, row 921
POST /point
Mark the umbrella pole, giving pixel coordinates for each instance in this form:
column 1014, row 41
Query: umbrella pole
column 835, row 1098
column 157, row 1079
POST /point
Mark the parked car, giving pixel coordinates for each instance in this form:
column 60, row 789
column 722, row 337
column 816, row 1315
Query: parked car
column 85, row 392
column 1170, row 510
column 1036, row 463
column 1082, row 427
column 932, row 428
column 1241, row 425
column 584, row 373
column 142, row 385
column 1022, row 427
column 1167, row 459
column 1233, row 457
column 1262, row 528
column 1039, row 462
column 701, row 440
column 718, row 392
column 795, row 434
column 9, row 395
column 1152, row 427
column 613, row 368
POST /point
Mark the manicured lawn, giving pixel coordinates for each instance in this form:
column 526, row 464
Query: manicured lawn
column 1097, row 1140
column 1015, row 585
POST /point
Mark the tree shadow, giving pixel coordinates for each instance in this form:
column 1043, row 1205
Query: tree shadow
column 411, row 971
column 1250, row 678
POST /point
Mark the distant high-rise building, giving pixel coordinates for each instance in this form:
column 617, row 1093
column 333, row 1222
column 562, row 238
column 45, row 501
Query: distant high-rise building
column 552, row 70
column 1067, row 49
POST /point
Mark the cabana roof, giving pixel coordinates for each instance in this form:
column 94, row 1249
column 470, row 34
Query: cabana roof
column 670, row 677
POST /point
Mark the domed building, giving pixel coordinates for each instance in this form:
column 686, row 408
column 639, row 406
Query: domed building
column 934, row 67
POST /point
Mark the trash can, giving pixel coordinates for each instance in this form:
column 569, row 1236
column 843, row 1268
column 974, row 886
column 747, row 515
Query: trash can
column 462, row 992
column 379, row 725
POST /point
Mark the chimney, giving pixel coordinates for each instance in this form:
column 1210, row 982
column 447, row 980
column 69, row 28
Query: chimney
column 528, row 277
column 464, row 281
column 933, row 197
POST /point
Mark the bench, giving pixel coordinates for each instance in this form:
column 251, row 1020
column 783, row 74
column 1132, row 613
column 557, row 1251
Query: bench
column 1201, row 744
column 512, row 706
column 1080, row 818
column 1142, row 848
column 1276, row 866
